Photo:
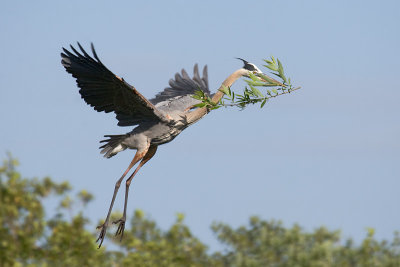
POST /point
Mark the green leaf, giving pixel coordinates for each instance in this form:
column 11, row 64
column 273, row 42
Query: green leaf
column 255, row 91
column 268, row 79
column 239, row 96
column 253, row 83
column 271, row 67
column 253, row 77
column 268, row 61
column 200, row 105
column 263, row 103
column 199, row 95
column 281, row 72
column 226, row 90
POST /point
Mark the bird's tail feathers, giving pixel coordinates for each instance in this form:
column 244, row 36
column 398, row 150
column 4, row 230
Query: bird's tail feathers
column 113, row 145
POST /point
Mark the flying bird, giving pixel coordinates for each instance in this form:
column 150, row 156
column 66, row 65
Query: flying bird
column 157, row 121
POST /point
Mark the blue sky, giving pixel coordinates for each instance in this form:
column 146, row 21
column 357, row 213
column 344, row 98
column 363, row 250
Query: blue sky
column 328, row 154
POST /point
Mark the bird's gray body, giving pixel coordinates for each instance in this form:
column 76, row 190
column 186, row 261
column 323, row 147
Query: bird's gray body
column 154, row 133
column 147, row 133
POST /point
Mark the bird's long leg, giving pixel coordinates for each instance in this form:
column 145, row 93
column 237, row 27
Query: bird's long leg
column 121, row 222
column 138, row 156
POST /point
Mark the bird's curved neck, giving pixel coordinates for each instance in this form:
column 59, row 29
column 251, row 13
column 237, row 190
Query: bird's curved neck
column 197, row 114
column 228, row 83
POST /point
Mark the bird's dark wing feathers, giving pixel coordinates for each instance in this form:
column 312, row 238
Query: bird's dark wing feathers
column 105, row 91
column 184, row 85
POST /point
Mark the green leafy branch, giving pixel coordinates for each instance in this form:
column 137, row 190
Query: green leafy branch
column 251, row 94
column 205, row 100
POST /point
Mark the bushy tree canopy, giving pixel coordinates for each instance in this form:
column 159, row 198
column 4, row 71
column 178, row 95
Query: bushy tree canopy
column 29, row 238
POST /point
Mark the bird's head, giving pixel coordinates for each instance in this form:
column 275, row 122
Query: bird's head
column 250, row 67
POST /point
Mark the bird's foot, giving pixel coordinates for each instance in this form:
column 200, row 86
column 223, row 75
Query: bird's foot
column 121, row 226
column 103, row 232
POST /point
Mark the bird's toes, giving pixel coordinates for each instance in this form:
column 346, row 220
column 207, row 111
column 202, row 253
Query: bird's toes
column 121, row 227
column 120, row 230
column 101, row 235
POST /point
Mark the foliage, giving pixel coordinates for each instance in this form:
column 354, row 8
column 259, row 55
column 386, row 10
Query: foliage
column 147, row 245
column 29, row 238
column 265, row 243
column 251, row 94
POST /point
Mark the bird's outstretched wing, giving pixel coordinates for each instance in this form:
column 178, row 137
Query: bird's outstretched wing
column 184, row 85
column 105, row 91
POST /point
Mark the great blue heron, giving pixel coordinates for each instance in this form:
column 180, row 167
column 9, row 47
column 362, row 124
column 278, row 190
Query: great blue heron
column 158, row 120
